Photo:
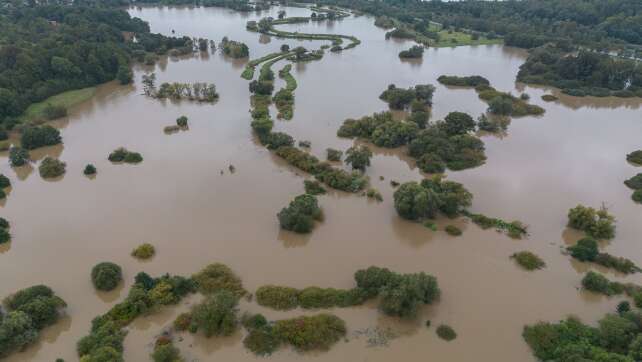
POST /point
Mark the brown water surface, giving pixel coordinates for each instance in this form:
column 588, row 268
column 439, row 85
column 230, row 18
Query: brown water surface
column 184, row 200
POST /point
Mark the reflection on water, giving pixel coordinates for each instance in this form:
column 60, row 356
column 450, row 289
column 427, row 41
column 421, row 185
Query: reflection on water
column 178, row 198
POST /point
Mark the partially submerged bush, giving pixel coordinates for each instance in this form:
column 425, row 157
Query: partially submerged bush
column 358, row 157
column 528, row 260
column 635, row 182
column 334, row 155
column 453, row 230
column 637, row 196
column 374, row 194
column 277, row 297
column 4, row 182
column 598, row 224
column 399, row 98
column 415, row 201
column 166, row 352
column 181, row 121
column 40, row 136
column 144, row 251
column 123, row 155
column 415, row 51
column 89, row 170
column 18, row 156
column 5, row 236
column 300, row 215
column 596, row 282
column 307, row 333
column 586, row 249
column 635, row 157
column 106, row 276
column 549, row 98
column 216, row 277
column 515, row 229
column 469, row 81
column 313, row 187
column 51, row 167
column 446, row 332
column 216, row 315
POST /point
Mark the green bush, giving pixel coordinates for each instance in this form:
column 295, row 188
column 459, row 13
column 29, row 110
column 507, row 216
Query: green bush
column 528, row 260
column 4, row 182
column 313, row 187
column 549, row 98
column 635, row 157
column 374, row 194
column 166, row 353
column 262, row 341
column 216, row 315
column 596, row 282
column 358, row 157
column 623, row 265
column 446, row 332
column 431, row 163
column 18, row 156
column 17, row 333
column 414, row 52
column 51, row 168
column 106, row 276
column 469, row 81
column 253, row 321
column 277, row 297
column 133, row 157
column 89, row 170
column 403, row 298
column 300, row 214
column 598, row 224
column 637, row 196
column 457, row 123
column 453, row 230
column 307, row 333
column 635, row 182
column 181, row 121
column 586, row 249
column 182, row 321
column 144, row 251
column 215, row 277
column 334, row 155
column 417, row 201
column 35, row 137
column 123, row 155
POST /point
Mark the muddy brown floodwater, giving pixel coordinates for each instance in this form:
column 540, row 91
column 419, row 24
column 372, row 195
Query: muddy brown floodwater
column 178, row 200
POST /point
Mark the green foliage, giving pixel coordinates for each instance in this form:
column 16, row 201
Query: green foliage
column 216, row 315
column 468, row 81
column 528, row 260
column 253, row 321
column 635, row 182
column 596, row 282
column 637, row 196
column 598, row 224
column 586, row 249
column 313, row 187
column 635, row 157
column 28, row 311
column 457, row 123
column 166, row 353
column 431, row 163
column 300, row 214
column 398, row 98
column 123, row 155
column 234, row 49
column 414, row 52
column 459, row 151
column 18, row 156
column 514, row 229
column 51, row 168
column 446, row 332
column 381, row 129
column 106, row 275
column 492, row 125
column 358, row 157
column 144, row 251
column 215, row 277
column 334, row 155
column 182, row 321
column 452, row 230
column 415, row 201
column 623, row 265
column 307, row 333
column 374, row 194
column 277, row 297
column 35, row 137
column 181, row 121
column 89, row 170
column 5, row 236
column 4, row 182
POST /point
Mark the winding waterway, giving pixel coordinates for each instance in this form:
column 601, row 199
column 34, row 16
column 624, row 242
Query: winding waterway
column 184, row 200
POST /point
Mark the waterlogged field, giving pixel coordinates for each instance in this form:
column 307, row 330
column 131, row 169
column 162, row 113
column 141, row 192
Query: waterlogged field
column 185, row 201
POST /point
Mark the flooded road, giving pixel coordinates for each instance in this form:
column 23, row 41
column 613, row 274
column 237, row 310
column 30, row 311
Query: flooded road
column 183, row 199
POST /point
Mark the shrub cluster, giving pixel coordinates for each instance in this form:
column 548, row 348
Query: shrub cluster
column 617, row 337
column 528, row 260
column 416, row 201
column 586, row 249
column 216, row 315
column 106, row 275
column 414, row 52
column 515, row 229
column 313, row 187
column 635, row 157
column 380, row 129
column 286, row 298
column 598, row 224
column 506, row 104
column 4, row 183
column 5, row 236
column 635, row 183
column 217, row 276
column 334, row 155
column 358, row 157
column 399, row 98
column 234, row 49
column 453, row 230
column 89, row 170
column 144, row 251
column 27, row 312
column 105, row 340
column 305, row 333
column 165, row 351
column 300, row 214
column 492, row 124
column 374, row 194
column 18, row 156
column 51, row 167
column 40, row 136
column 598, row 283
column 121, row 154
column 401, row 294
column 446, row 332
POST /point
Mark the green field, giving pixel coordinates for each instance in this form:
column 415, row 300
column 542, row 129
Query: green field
column 66, row 99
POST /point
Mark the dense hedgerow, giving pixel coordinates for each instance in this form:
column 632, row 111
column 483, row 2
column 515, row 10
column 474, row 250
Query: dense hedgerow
column 414, row 52
column 106, row 276
column 51, row 168
column 469, row 81
column 286, row 298
column 313, row 187
column 416, row 201
column 216, row 315
column 598, row 224
column 300, row 214
column 528, row 260
column 598, row 283
column 40, row 136
column 27, row 312
column 515, row 229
